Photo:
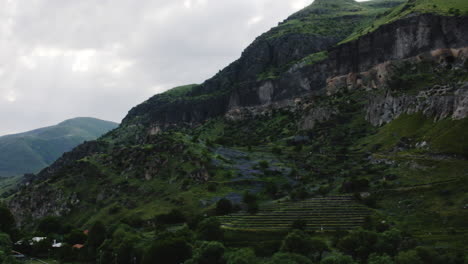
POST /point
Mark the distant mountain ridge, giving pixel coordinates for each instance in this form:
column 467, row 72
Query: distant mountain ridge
column 34, row 150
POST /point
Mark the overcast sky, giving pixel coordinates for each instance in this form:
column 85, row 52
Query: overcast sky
column 61, row 59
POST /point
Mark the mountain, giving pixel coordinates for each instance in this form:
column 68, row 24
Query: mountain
column 345, row 115
column 32, row 151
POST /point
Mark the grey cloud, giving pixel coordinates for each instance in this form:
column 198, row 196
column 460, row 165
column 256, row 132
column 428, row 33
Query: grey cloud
column 63, row 58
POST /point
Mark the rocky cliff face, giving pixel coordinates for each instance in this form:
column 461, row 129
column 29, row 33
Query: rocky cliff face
column 401, row 39
column 368, row 63
column 405, row 38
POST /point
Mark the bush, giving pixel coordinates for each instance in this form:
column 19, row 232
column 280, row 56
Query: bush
column 223, row 207
column 173, row 217
column 5, row 242
column 376, row 259
column 96, row 236
column 408, row 257
column 356, row 185
column 359, row 243
column 7, row 221
column 299, row 224
column 264, row 164
column 172, row 250
column 277, row 150
column 297, row 242
column 271, row 189
column 241, row 256
column 288, row 258
column 252, row 208
column 208, row 253
column 338, row 258
column 210, row 230
column 76, row 236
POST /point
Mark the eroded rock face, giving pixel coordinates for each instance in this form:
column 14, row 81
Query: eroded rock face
column 438, row 102
column 237, row 85
column 386, row 104
column 401, row 39
column 44, row 202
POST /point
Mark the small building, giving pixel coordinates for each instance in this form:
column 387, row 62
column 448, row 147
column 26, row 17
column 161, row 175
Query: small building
column 38, row 239
column 35, row 240
column 57, row 244
column 78, row 246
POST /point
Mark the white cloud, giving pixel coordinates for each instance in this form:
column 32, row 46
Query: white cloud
column 63, row 59
column 11, row 97
column 299, row 4
column 254, row 20
column 28, row 62
column 83, row 60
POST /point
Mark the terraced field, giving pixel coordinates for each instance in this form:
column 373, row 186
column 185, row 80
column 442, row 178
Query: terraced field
column 327, row 214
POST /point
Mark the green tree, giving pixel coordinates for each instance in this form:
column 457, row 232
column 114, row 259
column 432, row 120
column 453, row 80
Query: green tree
column 248, row 197
column 379, row 259
column 299, row 224
column 208, row 252
column 318, row 246
column 223, row 207
column 7, row 221
column 359, row 243
column 210, row 230
column 241, row 256
column 389, row 242
column 96, row 236
column 76, row 236
column 338, row 258
column 408, row 257
column 50, row 225
column 297, row 242
column 288, row 258
column 125, row 253
column 170, row 250
column 5, row 242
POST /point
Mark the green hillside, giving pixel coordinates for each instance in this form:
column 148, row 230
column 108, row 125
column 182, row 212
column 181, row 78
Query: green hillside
column 32, row 151
column 351, row 153
column 439, row 7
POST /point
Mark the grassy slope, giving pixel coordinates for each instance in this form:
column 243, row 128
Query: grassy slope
column 440, row 7
column 336, row 18
column 31, row 151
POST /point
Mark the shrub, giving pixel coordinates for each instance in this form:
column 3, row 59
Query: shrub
column 76, row 236
column 241, row 256
column 277, row 150
column 223, row 207
column 376, row 259
column 288, row 258
column 359, row 243
column 252, row 208
column 7, row 221
column 338, row 258
column 96, row 236
column 249, row 197
column 297, row 242
column 264, row 164
column 210, row 230
column 171, row 250
column 173, row 217
column 299, row 224
column 408, row 257
column 208, row 253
